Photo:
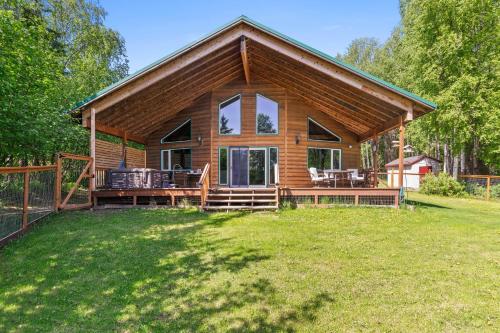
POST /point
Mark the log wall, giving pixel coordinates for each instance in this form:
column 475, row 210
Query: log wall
column 293, row 114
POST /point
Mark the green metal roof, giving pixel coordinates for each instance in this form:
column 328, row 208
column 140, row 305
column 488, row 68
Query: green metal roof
column 268, row 30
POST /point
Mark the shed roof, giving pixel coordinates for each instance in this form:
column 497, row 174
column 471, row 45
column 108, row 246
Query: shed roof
column 407, row 161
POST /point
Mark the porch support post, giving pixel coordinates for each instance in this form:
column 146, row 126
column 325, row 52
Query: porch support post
column 375, row 159
column 92, row 148
column 124, row 148
column 401, row 152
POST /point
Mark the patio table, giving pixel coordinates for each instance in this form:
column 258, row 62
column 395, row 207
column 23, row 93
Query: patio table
column 337, row 175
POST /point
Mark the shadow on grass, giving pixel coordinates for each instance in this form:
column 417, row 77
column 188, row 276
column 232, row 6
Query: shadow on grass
column 423, row 204
column 167, row 270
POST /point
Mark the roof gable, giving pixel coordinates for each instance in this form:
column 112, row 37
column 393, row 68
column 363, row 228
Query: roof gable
column 365, row 105
column 247, row 20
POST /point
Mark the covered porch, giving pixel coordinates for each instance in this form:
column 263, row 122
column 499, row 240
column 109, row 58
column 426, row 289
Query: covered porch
column 233, row 70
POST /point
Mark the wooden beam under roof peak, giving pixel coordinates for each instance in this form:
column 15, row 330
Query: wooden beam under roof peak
column 244, row 58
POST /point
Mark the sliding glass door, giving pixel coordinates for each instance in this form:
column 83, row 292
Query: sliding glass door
column 238, row 167
column 248, row 167
column 257, row 167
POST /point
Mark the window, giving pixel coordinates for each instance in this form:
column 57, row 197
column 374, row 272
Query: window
column 230, row 116
column 317, row 132
column 267, row 115
column 223, row 166
column 324, row 158
column 180, row 159
column 273, row 160
column 179, row 134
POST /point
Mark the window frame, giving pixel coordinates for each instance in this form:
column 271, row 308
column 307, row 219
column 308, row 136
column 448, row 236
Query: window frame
column 331, row 156
column 257, row 113
column 219, row 113
column 169, row 159
column 227, row 165
column 323, row 127
column 269, row 163
column 175, row 129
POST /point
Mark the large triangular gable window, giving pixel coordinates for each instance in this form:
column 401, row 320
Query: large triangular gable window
column 179, row 134
column 317, row 132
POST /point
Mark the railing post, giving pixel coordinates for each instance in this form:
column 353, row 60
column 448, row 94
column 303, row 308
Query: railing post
column 26, row 192
column 92, row 180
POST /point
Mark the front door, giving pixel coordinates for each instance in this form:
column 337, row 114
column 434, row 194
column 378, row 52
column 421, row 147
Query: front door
column 247, row 167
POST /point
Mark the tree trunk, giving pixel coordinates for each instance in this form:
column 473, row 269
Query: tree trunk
column 446, row 165
column 455, row 166
column 462, row 162
column 475, row 148
column 438, row 149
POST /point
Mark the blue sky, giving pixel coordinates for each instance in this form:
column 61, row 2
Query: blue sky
column 154, row 28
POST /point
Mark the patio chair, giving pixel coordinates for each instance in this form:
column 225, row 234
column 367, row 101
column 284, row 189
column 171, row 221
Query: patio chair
column 355, row 177
column 315, row 177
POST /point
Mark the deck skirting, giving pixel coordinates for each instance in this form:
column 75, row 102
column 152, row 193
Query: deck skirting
column 295, row 197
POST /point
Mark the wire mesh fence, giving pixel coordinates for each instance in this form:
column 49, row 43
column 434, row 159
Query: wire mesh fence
column 26, row 195
column 11, row 203
column 484, row 187
column 71, row 171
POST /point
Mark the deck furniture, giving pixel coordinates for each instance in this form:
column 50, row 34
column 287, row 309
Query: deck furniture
column 355, row 177
column 338, row 177
column 316, row 178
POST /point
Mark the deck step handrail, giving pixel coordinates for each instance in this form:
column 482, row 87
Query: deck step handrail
column 204, row 184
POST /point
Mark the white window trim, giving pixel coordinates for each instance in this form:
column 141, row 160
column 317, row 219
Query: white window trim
column 257, row 113
column 169, row 159
column 323, row 127
column 241, row 118
column 331, row 155
column 175, row 129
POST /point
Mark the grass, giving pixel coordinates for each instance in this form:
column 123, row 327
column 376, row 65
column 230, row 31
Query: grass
column 435, row 268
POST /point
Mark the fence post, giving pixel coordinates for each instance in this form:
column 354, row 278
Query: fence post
column 26, row 193
column 488, row 187
column 57, row 185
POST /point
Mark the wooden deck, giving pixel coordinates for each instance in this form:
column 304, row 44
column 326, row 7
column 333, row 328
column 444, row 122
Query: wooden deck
column 296, row 197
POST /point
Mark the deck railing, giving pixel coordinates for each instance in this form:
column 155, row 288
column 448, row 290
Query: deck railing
column 204, row 184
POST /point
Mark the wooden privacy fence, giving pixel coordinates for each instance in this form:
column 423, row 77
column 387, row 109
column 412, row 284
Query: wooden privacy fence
column 29, row 193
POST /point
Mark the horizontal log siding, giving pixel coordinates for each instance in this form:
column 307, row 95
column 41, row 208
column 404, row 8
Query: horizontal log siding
column 248, row 135
column 108, row 155
column 292, row 156
column 199, row 113
column 298, row 112
column 293, row 113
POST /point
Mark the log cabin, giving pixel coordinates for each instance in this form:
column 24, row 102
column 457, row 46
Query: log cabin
column 245, row 113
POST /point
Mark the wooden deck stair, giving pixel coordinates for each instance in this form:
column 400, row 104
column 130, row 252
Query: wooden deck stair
column 239, row 198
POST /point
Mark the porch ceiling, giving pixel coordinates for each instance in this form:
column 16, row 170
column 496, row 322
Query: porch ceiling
column 141, row 106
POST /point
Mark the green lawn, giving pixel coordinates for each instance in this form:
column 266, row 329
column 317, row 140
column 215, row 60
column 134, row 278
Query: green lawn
column 436, row 268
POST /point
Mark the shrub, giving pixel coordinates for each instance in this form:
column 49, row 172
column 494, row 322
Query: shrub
column 287, row 204
column 442, row 184
column 495, row 191
column 475, row 189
